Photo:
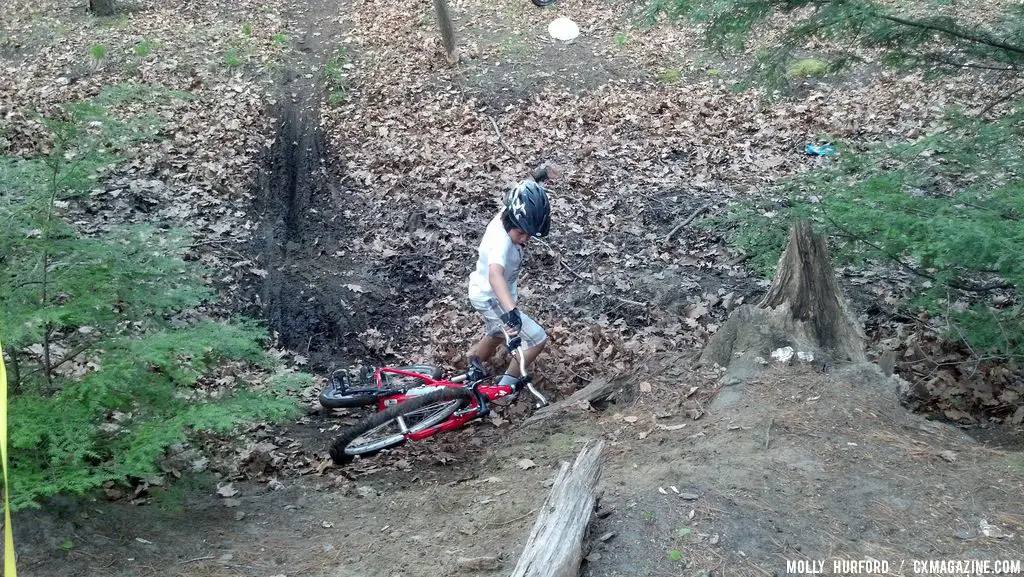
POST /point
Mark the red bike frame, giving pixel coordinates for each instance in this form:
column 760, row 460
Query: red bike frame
column 489, row 392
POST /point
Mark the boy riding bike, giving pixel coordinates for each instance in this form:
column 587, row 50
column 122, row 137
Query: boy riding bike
column 493, row 290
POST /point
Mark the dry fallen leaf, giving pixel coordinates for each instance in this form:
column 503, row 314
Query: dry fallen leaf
column 228, row 490
column 526, row 464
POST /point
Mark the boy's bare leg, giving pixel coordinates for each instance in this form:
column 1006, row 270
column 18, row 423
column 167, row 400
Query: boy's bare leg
column 531, row 354
column 484, row 350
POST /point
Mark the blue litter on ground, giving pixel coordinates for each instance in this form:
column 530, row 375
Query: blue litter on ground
column 826, row 149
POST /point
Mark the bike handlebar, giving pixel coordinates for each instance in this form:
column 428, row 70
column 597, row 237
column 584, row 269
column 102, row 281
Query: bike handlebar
column 520, row 352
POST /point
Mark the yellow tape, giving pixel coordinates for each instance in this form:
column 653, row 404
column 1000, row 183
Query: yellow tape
column 10, row 568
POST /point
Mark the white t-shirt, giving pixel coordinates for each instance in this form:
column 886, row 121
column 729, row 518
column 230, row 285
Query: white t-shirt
column 496, row 247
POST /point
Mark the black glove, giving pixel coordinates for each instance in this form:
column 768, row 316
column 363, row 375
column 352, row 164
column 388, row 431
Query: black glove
column 514, row 343
column 512, row 321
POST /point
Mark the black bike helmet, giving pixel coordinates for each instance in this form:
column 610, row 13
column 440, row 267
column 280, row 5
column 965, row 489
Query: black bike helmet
column 528, row 209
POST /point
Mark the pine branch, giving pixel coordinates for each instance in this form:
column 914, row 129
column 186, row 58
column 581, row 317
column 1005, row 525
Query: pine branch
column 82, row 347
column 962, row 34
column 980, row 288
column 999, row 100
column 942, row 60
column 952, row 283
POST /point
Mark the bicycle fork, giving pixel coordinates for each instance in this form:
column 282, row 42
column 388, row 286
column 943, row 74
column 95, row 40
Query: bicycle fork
column 483, row 410
column 525, row 379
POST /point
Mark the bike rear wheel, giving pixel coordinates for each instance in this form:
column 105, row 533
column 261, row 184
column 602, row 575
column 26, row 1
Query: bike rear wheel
column 387, row 429
column 338, row 395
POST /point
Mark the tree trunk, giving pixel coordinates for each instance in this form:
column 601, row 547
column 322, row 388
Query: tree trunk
column 101, row 7
column 14, row 374
column 444, row 21
column 555, row 546
column 804, row 309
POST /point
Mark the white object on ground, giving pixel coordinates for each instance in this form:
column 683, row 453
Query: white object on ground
column 783, row 355
column 806, row 357
column 563, row 29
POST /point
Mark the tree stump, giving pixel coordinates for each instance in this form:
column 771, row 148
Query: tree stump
column 804, row 309
column 555, row 546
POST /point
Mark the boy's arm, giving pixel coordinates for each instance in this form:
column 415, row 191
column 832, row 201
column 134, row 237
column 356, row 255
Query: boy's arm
column 496, row 276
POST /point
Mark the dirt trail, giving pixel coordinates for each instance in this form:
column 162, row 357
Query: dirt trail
column 296, row 205
column 798, row 466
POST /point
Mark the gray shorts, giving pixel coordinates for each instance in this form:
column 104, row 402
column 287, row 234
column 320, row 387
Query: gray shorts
column 531, row 333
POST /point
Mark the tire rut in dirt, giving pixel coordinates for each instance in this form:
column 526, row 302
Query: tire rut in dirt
column 301, row 294
column 292, row 182
column 447, row 399
column 316, row 290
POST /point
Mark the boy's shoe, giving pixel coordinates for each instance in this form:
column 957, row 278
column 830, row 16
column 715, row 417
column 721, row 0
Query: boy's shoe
column 477, row 371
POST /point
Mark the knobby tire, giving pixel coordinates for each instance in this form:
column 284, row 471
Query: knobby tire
column 362, row 396
column 447, row 399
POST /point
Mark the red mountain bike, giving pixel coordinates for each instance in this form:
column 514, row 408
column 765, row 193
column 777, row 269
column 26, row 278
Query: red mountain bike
column 414, row 402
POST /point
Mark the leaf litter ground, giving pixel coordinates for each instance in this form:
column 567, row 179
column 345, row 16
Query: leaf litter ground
column 366, row 262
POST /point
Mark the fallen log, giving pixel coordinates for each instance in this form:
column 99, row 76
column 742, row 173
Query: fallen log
column 594, row 392
column 555, row 545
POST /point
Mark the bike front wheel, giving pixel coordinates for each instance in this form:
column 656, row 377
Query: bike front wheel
column 388, row 428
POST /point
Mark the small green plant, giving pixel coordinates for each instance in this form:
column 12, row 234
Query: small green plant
column 675, row 555
column 247, row 30
column 337, row 78
column 280, row 40
column 144, row 48
column 685, row 532
column 713, row 73
column 231, row 58
column 98, row 52
column 118, row 21
column 670, row 76
column 621, row 39
column 175, row 496
column 67, row 545
column 427, row 19
column 808, row 68
column 513, row 46
column 649, row 516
